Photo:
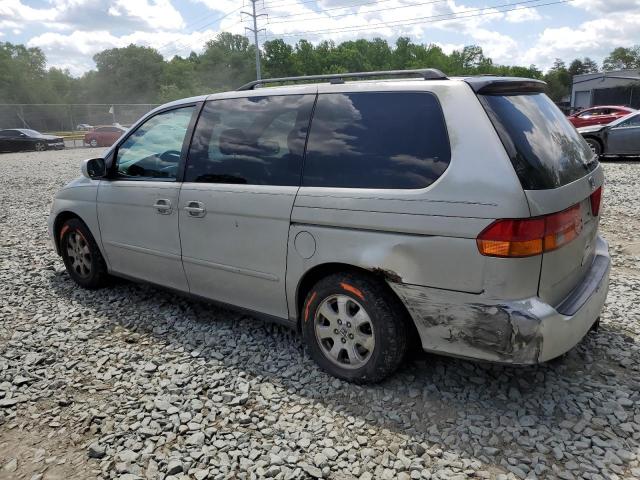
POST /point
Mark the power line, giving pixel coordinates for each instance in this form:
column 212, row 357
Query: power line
column 352, row 6
column 427, row 19
column 352, row 13
column 202, row 28
column 182, row 44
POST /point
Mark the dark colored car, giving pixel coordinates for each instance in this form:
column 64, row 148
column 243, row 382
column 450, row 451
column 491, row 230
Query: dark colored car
column 21, row 139
column 602, row 115
column 621, row 137
column 103, row 136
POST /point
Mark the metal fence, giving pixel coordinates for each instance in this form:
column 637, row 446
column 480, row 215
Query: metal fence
column 67, row 117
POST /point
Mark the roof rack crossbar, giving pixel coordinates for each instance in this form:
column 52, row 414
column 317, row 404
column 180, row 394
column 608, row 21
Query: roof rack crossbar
column 425, row 73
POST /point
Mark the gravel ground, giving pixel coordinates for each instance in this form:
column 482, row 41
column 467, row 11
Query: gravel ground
column 132, row 381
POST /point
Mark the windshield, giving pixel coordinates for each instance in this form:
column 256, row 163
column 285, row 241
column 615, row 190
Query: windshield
column 31, row 133
column 623, row 119
column 545, row 149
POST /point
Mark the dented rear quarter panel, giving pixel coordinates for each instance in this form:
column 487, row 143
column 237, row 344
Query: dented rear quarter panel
column 422, row 237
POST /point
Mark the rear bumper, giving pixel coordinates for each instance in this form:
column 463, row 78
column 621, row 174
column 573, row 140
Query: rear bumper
column 524, row 331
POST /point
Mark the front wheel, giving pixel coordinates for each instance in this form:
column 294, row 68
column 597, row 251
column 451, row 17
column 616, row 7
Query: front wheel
column 354, row 328
column 40, row 147
column 595, row 146
column 81, row 255
column 93, row 142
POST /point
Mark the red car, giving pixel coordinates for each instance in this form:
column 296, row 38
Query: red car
column 601, row 115
column 103, row 136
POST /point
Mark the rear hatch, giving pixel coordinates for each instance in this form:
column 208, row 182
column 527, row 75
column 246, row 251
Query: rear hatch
column 557, row 170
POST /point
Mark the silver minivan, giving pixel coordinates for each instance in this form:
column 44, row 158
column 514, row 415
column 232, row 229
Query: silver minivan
column 365, row 210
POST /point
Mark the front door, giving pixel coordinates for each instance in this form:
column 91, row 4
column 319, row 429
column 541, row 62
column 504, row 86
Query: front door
column 624, row 138
column 240, row 183
column 138, row 204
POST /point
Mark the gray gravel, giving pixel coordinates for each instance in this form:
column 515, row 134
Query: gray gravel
column 134, row 382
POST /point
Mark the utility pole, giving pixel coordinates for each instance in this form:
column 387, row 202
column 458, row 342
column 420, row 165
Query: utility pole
column 255, row 31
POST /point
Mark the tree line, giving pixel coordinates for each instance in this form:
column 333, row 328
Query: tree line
column 137, row 74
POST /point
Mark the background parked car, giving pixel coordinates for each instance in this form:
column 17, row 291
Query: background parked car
column 103, row 136
column 599, row 115
column 84, row 127
column 21, row 139
column 621, row 137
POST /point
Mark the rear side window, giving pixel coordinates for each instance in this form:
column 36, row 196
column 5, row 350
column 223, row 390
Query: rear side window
column 253, row 140
column 545, row 149
column 388, row 140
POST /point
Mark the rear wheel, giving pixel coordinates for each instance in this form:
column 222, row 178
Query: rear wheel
column 81, row 255
column 40, row 146
column 93, row 142
column 355, row 329
column 594, row 145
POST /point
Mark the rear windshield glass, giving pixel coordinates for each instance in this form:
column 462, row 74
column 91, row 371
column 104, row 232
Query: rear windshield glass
column 545, row 149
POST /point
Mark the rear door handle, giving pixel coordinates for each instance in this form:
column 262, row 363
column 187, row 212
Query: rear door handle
column 195, row 209
column 163, row 206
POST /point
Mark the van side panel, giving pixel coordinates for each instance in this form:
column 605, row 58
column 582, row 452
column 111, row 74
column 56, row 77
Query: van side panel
column 424, row 237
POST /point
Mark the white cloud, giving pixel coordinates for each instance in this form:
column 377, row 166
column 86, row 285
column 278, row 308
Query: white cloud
column 95, row 14
column 594, row 38
column 75, row 51
column 607, row 6
column 523, row 15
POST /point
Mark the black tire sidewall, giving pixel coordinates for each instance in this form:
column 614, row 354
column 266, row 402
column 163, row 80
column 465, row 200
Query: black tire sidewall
column 386, row 320
column 42, row 145
column 96, row 277
column 596, row 145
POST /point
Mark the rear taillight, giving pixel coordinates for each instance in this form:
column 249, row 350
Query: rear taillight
column 530, row 236
column 596, row 199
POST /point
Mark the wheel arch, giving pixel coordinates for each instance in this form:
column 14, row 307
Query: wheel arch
column 597, row 140
column 320, row 271
column 62, row 217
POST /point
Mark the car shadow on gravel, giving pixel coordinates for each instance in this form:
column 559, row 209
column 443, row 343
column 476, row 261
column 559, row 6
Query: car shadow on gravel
column 446, row 401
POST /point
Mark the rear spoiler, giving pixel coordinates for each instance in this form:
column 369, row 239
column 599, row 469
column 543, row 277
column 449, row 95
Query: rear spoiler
column 505, row 85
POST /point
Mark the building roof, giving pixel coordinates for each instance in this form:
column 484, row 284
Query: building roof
column 617, row 74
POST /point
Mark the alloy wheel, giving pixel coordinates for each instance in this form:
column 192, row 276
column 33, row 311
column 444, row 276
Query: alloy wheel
column 79, row 254
column 344, row 331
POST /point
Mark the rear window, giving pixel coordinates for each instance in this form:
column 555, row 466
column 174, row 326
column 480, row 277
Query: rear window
column 545, row 149
column 376, row 140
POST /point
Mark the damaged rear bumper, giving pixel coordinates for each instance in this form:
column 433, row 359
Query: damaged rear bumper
column 524, row 331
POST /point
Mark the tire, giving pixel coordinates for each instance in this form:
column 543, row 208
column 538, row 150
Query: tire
column 594, row 145
column 367, row 352
column 81, row 255
column 40, row 146
column 93, row 143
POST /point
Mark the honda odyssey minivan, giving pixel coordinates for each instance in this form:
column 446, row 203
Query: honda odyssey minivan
column 362, row 209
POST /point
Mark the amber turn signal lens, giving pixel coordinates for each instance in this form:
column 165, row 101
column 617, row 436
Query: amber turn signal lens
column 517, row 238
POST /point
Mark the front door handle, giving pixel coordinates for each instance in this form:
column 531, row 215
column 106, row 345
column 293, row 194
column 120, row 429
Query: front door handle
column 195, row 209
column 163, row 206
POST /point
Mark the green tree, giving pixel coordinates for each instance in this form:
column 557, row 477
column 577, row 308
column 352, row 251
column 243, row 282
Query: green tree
column 22, row 75
column 127, row 75
column 226, row 62
column 559, row 81
column 278, row 59
column 622, row 58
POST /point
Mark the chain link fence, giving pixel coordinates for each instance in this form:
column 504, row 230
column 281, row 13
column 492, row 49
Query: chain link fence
column 68, row 117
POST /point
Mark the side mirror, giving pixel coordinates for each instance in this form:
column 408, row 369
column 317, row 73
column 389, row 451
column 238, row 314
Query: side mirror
column 94, row 168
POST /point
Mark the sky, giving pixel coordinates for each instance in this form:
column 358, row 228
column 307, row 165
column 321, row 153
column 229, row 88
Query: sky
column 512, row 32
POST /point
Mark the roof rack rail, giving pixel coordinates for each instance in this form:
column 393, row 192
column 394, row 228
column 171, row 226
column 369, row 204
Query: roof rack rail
column 425, row 73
